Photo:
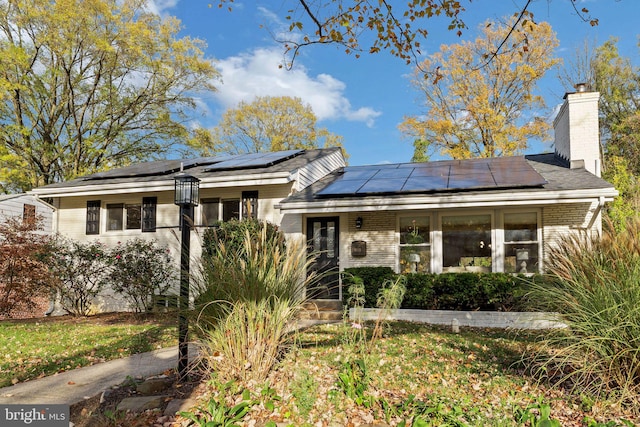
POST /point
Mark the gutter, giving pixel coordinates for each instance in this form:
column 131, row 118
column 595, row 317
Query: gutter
column 460, row 200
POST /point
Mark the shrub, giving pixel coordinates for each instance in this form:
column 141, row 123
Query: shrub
column 140, row 270
column 24, row 272
column 231, row 234
column 82, row 271
column 373, row 279
column 249, row 295
column 596, row 291
column 447, row 291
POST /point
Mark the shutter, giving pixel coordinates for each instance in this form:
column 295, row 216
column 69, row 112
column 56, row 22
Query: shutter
column 93, row 217
column 149, row 214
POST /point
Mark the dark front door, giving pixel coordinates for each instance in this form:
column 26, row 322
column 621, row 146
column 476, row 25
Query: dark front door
column 323, row 246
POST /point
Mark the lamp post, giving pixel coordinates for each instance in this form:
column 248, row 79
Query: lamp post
column 186, row 196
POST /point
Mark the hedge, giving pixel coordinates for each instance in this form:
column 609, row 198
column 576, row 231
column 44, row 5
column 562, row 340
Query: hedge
column 446, row 291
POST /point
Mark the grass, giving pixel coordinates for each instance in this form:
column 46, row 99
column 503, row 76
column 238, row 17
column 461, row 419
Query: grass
column 472, row 378
column 33, row 349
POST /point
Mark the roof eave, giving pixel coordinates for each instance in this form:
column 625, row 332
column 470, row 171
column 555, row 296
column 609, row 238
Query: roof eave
column 160, row 186
column 457, row 200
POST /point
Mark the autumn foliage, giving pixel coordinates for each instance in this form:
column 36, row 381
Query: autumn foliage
column 479, row 96
column 24, row 276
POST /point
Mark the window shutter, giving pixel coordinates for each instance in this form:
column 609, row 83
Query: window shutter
column 149, row 214
column 249, row 204
column 93, row 217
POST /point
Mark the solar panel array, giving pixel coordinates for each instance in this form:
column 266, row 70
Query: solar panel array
column 225, row 162
column 253, row 160
column 446, row 175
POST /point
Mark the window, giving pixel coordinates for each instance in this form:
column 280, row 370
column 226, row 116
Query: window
column 93, row 217
column 132, row 216
column 210, row 211
column 249, row 204
column 28, row 213
column 415, row 244
column 466, row 243
column 114, row 216
column 230, row 209
column 521, row 242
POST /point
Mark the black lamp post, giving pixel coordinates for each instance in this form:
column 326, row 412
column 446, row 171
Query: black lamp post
column 186, row 196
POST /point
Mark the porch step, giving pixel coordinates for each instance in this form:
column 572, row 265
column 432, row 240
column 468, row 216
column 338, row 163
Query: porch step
column 325, row 310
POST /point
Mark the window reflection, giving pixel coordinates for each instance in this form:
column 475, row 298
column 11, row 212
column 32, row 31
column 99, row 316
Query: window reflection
column 466, row 243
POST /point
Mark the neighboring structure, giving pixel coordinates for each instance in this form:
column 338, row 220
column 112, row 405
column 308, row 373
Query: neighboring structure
column 26, row 206
column 446, row 216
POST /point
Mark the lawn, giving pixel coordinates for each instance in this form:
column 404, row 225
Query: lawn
column 473, row 378
column 34, row 348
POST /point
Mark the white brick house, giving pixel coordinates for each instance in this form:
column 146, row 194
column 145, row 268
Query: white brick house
column 479, row 215
column 483, row 215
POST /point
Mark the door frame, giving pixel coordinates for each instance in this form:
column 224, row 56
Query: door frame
column 337, row 245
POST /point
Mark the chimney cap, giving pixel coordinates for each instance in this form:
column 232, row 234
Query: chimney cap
column 582, row 87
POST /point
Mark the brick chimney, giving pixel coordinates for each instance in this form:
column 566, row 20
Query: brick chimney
column 577, row 135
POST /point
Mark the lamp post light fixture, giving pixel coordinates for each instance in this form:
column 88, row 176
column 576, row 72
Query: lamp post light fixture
column 186, row 196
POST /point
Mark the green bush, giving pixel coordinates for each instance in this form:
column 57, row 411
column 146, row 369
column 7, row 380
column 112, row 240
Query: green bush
column 373, row 278
column 140, row 271
column 447, row 291
column 82, row 270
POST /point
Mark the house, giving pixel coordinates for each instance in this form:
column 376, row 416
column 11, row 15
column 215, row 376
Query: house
column 138, row 201
column 477, row 215
column 483, row 215
column 26, row 206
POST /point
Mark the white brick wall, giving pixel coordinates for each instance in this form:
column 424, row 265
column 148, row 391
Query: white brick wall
column 476, row 319
column 379, row 232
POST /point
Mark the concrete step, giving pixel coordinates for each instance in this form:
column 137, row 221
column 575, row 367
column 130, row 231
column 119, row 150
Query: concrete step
column 323, row 305
column 322, row 310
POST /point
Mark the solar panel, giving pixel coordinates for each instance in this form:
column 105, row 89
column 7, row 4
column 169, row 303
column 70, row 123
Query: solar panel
column 159, row 167
column 253, row 160
column 447, row 175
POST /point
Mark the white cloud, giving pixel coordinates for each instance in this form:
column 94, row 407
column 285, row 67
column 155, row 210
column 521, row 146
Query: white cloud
column 160, row 7
column 257, row 73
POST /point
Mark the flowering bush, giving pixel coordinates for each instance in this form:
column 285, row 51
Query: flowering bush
column 140, row 270
column 82, row 270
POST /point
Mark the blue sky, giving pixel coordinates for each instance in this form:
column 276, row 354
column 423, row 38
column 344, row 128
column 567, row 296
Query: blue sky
column 365, row 99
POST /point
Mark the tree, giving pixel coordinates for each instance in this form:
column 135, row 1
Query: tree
column 24, row 272
column 398, row 27
column 86, row 85
column 266, row 124
column 478, row 106
column 618, row 82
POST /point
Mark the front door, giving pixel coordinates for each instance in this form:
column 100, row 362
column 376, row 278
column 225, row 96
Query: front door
column 323, row 245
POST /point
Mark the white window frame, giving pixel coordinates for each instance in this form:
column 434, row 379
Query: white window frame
column 501, row 235
column 398, row 245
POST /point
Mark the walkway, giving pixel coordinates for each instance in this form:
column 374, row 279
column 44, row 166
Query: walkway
column 76, row 385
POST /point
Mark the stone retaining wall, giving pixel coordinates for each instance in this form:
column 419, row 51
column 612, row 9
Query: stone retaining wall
column 478, row 319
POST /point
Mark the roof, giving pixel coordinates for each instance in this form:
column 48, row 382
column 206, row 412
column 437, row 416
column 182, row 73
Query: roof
column 212, row 171
column 541, row 178
column 29, row 197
